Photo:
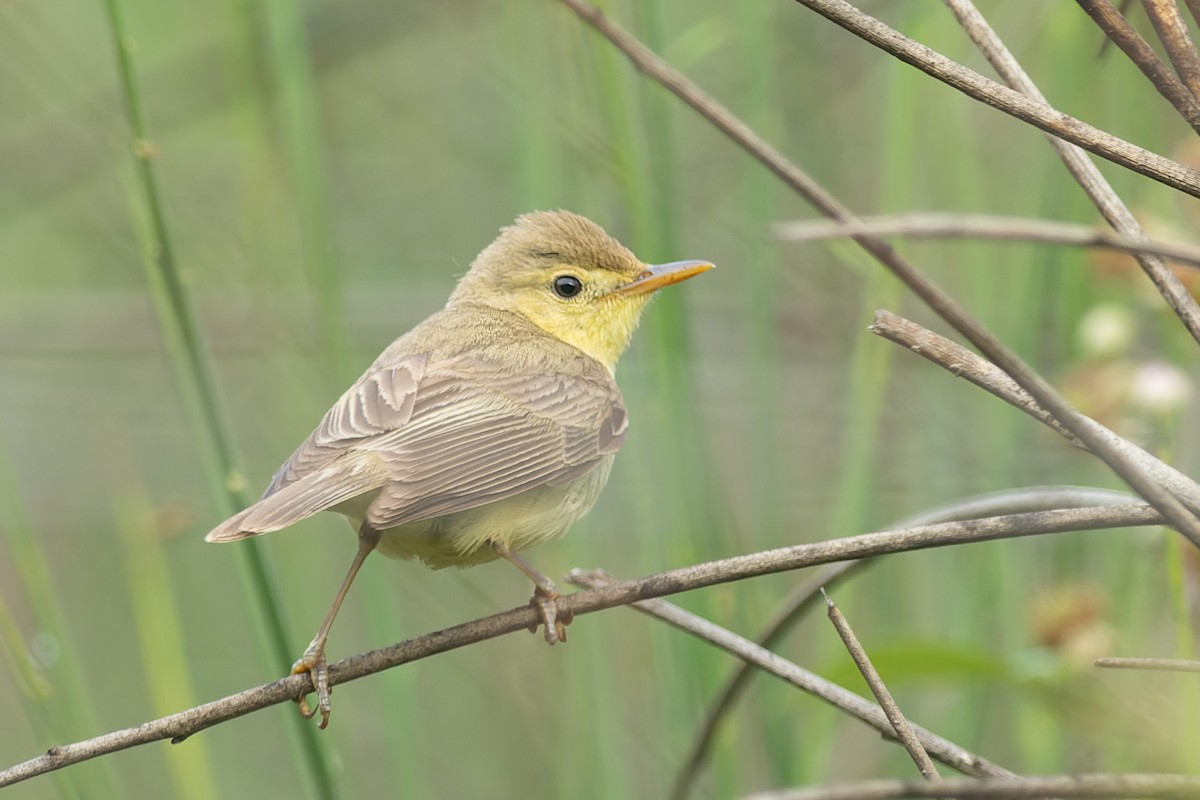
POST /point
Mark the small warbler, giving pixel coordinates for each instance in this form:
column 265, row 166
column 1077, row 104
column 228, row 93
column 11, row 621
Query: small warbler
column 489, row 427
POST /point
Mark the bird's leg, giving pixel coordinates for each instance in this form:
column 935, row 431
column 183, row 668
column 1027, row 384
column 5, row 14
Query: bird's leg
column 545, row 596
column 313, row 660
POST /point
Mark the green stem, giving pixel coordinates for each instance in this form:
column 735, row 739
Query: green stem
column 194, row 372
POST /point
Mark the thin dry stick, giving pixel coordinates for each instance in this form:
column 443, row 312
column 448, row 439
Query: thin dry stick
column 1082, row 168
column 1118, row 30
column 942, row 304
column 961, row 362
column 1038, row 114
column 982, row 226
column 177, row 727
column 844, row 700
column 1173, row 33
column 879, row 689
column 1163, row 664
column 1081, row 786
column 803, row 597
column 793, row 608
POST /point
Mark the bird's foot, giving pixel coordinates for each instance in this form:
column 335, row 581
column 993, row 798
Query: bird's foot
column 545, row 600
column 313, row 662
column 545, row 596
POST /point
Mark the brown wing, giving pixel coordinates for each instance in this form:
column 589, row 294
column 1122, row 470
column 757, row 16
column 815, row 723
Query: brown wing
column 478, row 435
column 442, row 437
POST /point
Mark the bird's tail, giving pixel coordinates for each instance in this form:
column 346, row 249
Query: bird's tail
column 353, row 474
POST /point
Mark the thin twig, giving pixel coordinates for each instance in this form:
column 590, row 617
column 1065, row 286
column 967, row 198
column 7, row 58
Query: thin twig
column 793, row 608
column 1162, row 664
column 1075, row 786
column 1173, row 33
column 844, row 700
column 645, row 60
column 878, row 688
column 1118, row 30
column 982, row 226
column 1082, row 169
column 1038, row 114
column 962, row 363
column 179, row 726
column 803, row 597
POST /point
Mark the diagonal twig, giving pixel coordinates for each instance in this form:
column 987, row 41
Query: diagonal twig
column 1176, row 40
column 878, row 688
column 963, row 363
column 650, row 64
column 1118, row 30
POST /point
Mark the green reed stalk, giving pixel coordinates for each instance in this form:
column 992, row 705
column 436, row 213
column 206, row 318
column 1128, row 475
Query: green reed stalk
column 194, row 372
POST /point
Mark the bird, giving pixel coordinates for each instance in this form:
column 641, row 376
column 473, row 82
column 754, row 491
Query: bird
column 489, row 427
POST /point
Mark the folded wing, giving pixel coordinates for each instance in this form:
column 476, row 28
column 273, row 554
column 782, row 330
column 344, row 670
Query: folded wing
column 435, row 438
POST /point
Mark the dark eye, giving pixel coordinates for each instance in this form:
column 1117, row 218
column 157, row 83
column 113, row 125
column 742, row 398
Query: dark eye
column 567, row 286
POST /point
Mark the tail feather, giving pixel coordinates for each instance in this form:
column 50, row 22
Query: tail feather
column 344, row 479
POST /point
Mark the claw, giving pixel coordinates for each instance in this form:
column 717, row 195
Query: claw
column 545, row 601
column 545, row 597
column 313, row 662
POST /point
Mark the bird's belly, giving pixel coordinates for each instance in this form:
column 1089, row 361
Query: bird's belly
column 462, row 539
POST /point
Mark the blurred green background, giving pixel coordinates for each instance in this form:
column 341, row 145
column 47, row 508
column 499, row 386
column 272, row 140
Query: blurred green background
column 326, row 171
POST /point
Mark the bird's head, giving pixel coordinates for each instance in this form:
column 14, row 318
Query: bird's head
column 562, row 272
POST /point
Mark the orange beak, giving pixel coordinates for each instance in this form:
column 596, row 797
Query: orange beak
column 657, row 276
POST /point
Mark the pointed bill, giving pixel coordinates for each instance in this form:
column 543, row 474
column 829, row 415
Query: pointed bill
column 660, row 275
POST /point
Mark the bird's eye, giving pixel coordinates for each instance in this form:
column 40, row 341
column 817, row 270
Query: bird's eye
column 567, row 286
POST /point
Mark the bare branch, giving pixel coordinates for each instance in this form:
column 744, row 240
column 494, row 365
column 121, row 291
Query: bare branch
column 1162, row 664
column 1177, row 515
column 1118, row 30
column 844, row 700
column 179, row 726
column 1026, row 109
column 1082, row 168
column 878, row 688
column 1084, row 786
column 803, row 597
column 981, row 226
column 961, row 362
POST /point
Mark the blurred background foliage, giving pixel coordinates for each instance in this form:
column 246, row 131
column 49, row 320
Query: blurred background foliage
column 327, row 169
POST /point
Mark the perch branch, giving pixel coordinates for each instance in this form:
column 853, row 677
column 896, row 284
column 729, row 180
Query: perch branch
column 980, row 226
column 179, row 726
column 650, row 64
